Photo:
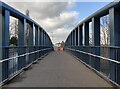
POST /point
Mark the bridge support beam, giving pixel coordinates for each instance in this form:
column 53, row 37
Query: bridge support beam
column 4, row 43
column 96, row 31
column 39, row 36
column 68, row 42
column 36, row 42
column 114, row 27
column 80, row 36
column 40, row 40
column 76, row 36
column 1, row 30
column 96, row 42
column 36, row 36
column 44, row 38
column 86, row 40
column 30, row 42
column 72, row 39
column 21, row 43
column 86, row 33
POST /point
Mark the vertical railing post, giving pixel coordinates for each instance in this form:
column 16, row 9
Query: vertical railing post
column 4, row 44
column 86, row 40
column 72, row 39
column 96, row 42
column 1, row 32
column 80, row 39
column 80, row 36
column 77, row 36
column 66, row 42
column 114, row 27
column 40, row 40
column 38, row 47
column 39, row 36
column 21, row 42
column 47, row 40
column 69, row 40
column 36, row 36
column 36, row 42
column 44, row 39
column 30, row 42
column 86, row 35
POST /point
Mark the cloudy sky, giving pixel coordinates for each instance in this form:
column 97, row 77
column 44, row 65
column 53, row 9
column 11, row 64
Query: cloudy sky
column 58, row 18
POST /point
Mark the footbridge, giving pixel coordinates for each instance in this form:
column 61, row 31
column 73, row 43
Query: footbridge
column 81, row 64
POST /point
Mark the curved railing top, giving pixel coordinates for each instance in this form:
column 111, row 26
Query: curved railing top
column 102, row 12
column 17, row 14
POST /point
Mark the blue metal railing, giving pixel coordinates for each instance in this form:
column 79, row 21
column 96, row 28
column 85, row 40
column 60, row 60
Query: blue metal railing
column 17, row 63
column 103, row 64
column 104, row 60
column 13, row 60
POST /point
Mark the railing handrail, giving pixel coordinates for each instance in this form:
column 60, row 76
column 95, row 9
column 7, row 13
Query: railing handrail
column 12, row 10
column 19, row 15
column 98, row 46
column 99, row 13
column 3, row 60
column 108, row 59
column 23, row 46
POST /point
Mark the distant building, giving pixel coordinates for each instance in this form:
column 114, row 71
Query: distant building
column 59, row 46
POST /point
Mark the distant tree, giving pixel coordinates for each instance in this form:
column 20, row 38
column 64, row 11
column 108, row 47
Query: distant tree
column 104, row 31
column 105, row 37
column 13, row 31
column 27, row 27
column 14, row 28
column 13, row 41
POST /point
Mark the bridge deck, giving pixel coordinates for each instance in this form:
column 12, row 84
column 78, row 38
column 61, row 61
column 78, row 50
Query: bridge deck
column 58, row 69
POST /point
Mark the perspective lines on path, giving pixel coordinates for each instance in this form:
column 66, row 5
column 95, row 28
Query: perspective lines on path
column 58, row 69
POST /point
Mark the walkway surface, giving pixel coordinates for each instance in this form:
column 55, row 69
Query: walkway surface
column 58, row 69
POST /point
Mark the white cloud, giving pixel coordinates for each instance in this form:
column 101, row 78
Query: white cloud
column 65, row 19
column 41, row 10
column 52, row 16
column 60, row 34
